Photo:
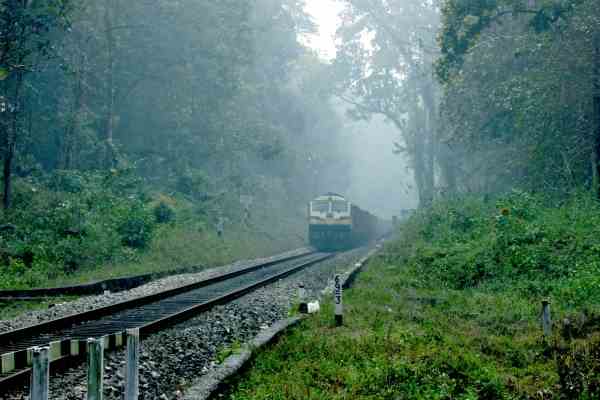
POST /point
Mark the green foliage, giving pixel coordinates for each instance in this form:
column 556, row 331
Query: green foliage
column 450, row 310
column 194, row 183
column 75, row 227
column 27, row 29
column 66, row 181
column 520, row 241
column 579, row 369
column 404, row 342
column 136, row 227
column 465, row 21
column 519, row 82
column 163, row 213
column 67, row 221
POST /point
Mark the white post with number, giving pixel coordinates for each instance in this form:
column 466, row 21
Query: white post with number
column 40, row 376
column 95, row 362
column 132, row 383
column 337, row 300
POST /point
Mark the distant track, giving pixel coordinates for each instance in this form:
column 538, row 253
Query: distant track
column 66, row 336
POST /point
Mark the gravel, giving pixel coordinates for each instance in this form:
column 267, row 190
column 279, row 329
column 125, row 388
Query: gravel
column 91, row 302
column 173, row 359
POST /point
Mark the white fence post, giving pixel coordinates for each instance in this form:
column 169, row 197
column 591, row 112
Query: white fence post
column 95, row 363
column 40, row 375
column 132, row 390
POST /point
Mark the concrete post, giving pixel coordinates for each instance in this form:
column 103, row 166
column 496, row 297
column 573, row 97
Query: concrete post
column 40, row 376
column 337, row 300
column 132, row 380
column 95, row 375
column 303, row 306
column 301, row 292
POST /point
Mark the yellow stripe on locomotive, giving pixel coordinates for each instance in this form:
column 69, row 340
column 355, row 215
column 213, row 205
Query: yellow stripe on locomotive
column 336, row 224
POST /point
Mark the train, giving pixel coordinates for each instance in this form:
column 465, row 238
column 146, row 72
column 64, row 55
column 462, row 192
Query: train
column 336, row 224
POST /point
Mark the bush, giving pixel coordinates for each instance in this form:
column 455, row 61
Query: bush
column 522, row 238
column 137, row 228
column 67, row 181
column 163, row 213
column 193, row 183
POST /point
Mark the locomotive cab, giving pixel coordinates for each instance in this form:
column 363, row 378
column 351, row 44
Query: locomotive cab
column 330, row 222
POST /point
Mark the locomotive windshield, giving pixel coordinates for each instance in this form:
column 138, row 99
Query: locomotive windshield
column 321, row 206
column 339, row 206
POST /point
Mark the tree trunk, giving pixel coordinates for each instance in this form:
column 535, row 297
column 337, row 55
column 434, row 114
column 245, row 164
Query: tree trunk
column 596, row 102
column 7, row 190
column 430, row 139
column 10, row 144
column 447, row 168
column 109, row 156
column 421, row 170
column 73, row 124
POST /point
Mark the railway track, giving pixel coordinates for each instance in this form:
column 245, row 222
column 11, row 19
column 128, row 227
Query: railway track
column 66, row 336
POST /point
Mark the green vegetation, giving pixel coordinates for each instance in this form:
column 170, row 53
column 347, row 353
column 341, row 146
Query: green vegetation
column 12, row 308
column 451, row 310
column 76, row 227
column 228, row 350
column 128, row 131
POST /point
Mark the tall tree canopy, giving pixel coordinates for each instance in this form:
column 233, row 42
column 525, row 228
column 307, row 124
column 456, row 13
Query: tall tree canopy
column 385, row 60
column 522, row 92
column 178, row 90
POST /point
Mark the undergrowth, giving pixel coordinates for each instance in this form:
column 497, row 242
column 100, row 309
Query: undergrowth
column 519, row 242
column 71, row 227
column 451, row 310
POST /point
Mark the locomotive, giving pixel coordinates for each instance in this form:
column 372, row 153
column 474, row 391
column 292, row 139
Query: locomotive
column 336, row 224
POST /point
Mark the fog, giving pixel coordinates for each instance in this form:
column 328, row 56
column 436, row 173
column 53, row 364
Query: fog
column 195, row 113
column 377, row 179
column 381, row 181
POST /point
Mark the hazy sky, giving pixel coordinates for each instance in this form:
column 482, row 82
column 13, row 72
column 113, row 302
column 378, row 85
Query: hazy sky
column 325, row 13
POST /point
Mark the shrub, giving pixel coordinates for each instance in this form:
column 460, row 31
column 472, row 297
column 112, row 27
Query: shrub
column 66, row 181
column 137, row 228
column 522, row 238
column 163, row 213
column 193, row 183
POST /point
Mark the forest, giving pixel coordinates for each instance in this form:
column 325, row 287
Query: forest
column 122, row 121
column 140, row 136
column 126, row 121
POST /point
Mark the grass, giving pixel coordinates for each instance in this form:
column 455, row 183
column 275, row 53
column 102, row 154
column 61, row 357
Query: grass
column 12, row 308
column 399, row 342
column 80, row 227
column 228, row 350
column 174, row 248
column 452, row 311
column 181, row 247
column 91, row 227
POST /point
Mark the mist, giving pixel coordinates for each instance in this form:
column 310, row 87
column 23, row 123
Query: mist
column 381, row 181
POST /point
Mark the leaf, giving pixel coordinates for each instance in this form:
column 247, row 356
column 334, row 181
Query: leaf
column 3, row 73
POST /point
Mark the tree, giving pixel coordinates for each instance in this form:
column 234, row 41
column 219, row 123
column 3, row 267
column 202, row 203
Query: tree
column 385, row 57
column 27, row 27
column 519, row 92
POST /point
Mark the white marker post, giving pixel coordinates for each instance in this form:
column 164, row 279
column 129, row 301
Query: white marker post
column 95, row 362
column 303, row 308
column 40, row 376
column 132, row 382
column 337, row 300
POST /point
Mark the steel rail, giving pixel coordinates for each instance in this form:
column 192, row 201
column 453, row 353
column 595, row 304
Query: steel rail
column 9, row 337
column 183, row 313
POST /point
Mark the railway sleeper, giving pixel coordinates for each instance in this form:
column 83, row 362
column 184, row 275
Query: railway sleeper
column 22, row 359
